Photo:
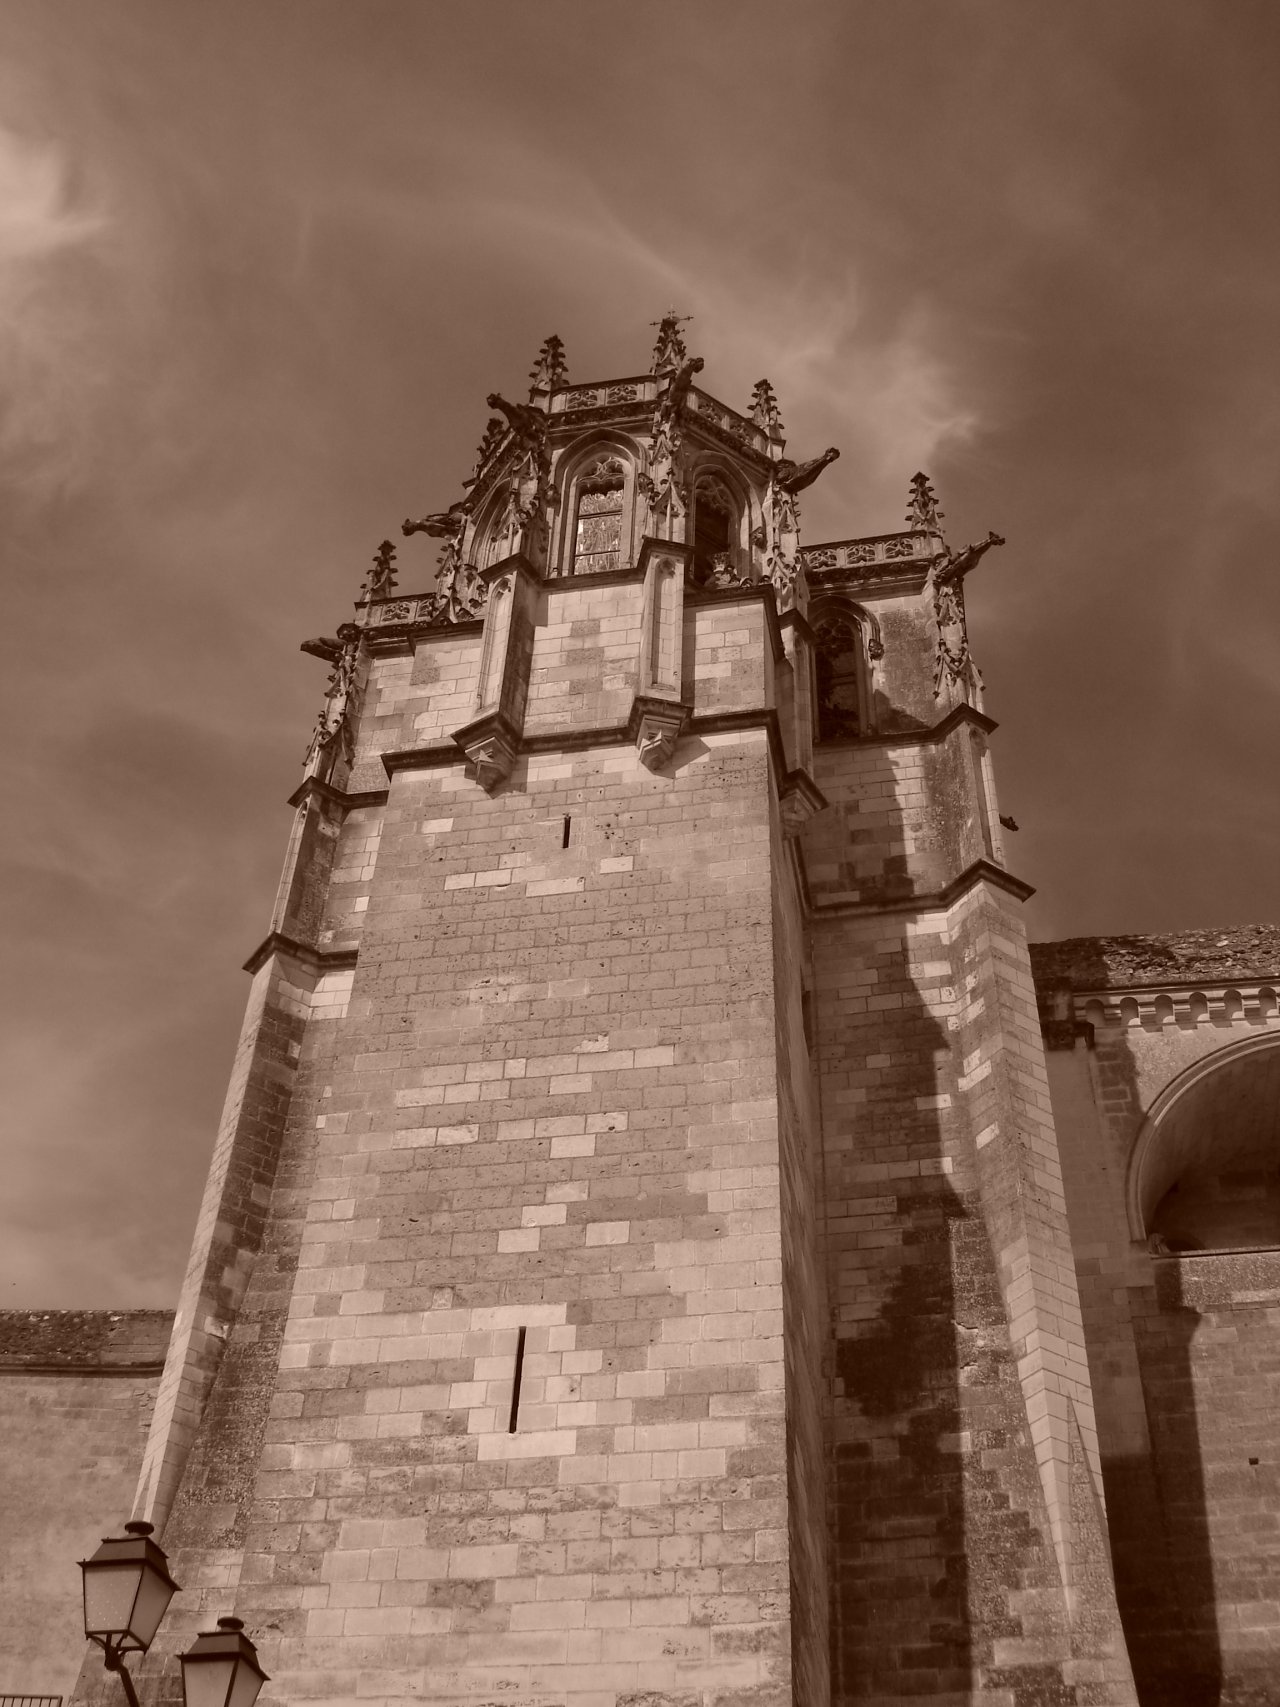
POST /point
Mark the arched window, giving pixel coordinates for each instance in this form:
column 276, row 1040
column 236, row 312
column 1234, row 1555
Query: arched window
column 839, row 660
column 714, row 515
column 1204, row 1173
column 597, row 528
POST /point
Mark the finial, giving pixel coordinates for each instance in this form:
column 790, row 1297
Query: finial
column 669, row 350
column 495, row 430
column 923, row 514
column 380, row 582
column 550, row 370
column 764, row 408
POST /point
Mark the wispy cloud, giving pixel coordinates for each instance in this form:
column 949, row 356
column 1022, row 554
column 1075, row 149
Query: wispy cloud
column 52, row 354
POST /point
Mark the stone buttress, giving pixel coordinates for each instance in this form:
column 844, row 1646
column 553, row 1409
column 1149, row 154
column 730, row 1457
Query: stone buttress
column 633, row 1269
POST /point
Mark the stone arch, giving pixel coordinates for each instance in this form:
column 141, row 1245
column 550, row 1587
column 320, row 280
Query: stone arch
column 1217, row 1120
column 581, row 461
column 720, row 476
column 486, row 528
column 846, row 638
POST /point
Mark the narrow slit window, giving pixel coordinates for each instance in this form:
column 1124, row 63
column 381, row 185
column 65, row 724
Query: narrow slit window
column 597, row 540
column 515, row 1383
column 567, row 824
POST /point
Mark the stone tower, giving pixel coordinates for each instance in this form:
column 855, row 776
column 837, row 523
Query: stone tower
column 633, row 1270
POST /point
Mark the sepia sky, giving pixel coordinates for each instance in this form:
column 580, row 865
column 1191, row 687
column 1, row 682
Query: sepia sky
column 261, row 260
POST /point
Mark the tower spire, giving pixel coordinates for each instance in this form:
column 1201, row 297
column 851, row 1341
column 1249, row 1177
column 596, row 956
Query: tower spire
column 549, row 370
column 923, row 514
column 764, row 409
column 669, row 351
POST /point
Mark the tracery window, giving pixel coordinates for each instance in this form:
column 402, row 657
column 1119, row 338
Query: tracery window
column 714, row 512
column 838, row 648
column 597, row 534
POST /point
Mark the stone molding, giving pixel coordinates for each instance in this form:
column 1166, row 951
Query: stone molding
column 981, row 871
column 313, row 789
column 315, row 960
column 1185, row 1005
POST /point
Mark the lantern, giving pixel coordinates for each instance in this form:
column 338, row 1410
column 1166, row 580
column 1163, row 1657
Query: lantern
column 220, row 1668
column 127, row 1590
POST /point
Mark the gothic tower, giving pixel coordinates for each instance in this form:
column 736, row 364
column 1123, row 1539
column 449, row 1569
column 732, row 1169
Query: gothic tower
column 633, row 1269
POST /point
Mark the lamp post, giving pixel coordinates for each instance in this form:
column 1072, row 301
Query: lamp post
column 127, row 1590
column 220, row 1668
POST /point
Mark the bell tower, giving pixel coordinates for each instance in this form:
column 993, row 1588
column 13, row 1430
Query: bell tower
column 633, row 1269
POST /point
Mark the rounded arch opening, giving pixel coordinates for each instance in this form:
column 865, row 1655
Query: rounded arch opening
column 1205, row 1171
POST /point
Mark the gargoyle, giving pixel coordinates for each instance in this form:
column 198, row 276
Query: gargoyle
column 528, row 424
column 947, row 574
column 324, row 648
column 441, row 524
column 957, row 564
column 793, row 477
column 676, row 395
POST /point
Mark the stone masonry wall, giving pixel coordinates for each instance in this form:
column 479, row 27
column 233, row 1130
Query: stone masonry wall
column 947, row 1575
column 551, row 1105
column 77, row 1389
column 1179, row 1348
column 1210, row 1372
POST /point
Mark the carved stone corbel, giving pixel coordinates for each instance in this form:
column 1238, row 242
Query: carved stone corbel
column 491, row 747
column 799, row 799
column 655, row 729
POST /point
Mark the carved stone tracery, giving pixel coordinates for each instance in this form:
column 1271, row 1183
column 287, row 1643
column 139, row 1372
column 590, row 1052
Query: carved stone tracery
column 781, row 541
column 550, row 370
column 954, row 668
column 332, row 739
column 663, row 484
column 460, row 592
column 381, row 579
column 522, row 522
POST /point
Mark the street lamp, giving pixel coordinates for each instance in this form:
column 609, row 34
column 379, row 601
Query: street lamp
column 127, row 1590
column 220, row 1668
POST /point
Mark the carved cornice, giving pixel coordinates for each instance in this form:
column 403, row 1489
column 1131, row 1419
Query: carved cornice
column 641, row 389
column 886, row 563
column 315, row 960
column 441, row 753
column 1186, row 1006
column 394, row 618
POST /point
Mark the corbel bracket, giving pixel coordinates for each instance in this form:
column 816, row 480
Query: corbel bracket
column 655, row 727
column 491, row 746
column 799, row 799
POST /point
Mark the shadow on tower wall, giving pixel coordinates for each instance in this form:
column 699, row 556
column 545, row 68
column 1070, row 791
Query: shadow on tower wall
column 945, row 1578
column 1157, row 1510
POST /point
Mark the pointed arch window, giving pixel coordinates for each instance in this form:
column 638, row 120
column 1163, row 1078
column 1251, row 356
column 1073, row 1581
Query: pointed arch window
column 714, row 519
column 597, row 527
column 839, row 655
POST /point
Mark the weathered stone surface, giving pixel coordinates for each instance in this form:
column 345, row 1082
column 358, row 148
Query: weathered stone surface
column 636, row 1270
column 77, row 1389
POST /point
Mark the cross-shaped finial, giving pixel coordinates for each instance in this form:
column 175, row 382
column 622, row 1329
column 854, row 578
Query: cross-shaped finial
column 669, row 351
